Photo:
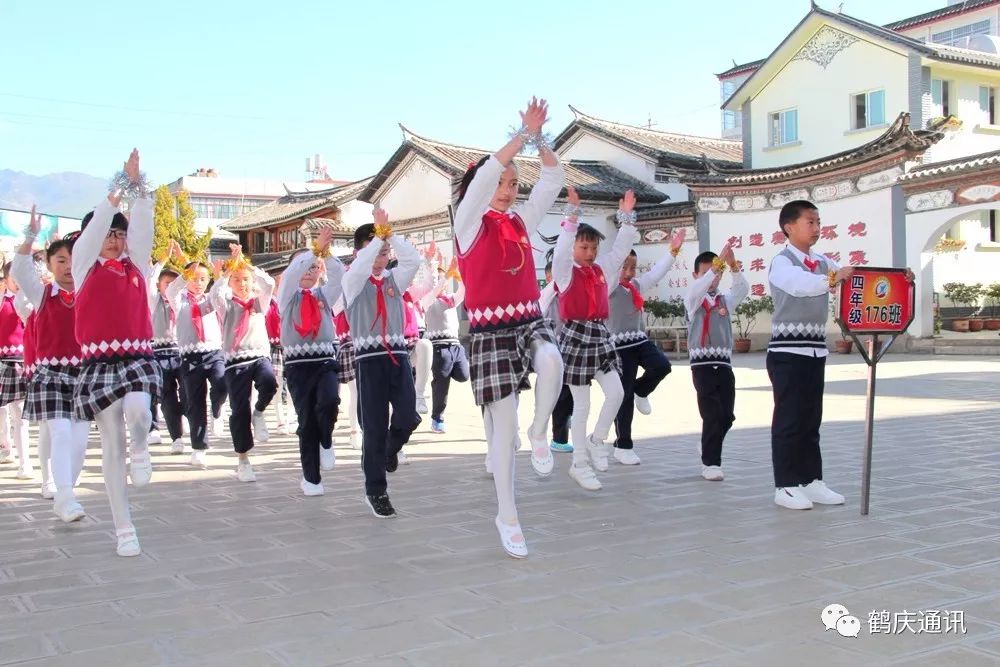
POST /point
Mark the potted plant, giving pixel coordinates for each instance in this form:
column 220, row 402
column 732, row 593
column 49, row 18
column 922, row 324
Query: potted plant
column 968, row 296
column 745, row 316
column 666, row 311
column 992, row 294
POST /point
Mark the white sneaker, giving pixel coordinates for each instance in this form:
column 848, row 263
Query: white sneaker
column 6, row 455
column 283, row 428
column 541, row 456
column 627, row 457
column 140, row 468
column 49, row 490
column 642, row 405
column 712, row 473
column 218, row 426
column 154, row 438
column 489, row 465
column 356, row 442
column 327, row 458
column 401, row 458
column 177, row 447
column 244, row 472
column 598, row 453
column 819, row 493
column 25, row 471
column 69, row 511
column 584, row 476
column 260, row 432
column 421, row 405
column 185, row 427
column 199, row 459
column 792, row 497
column 311, row 489
column 128, row 543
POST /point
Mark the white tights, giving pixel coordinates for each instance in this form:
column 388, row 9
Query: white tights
column 12, row 423
column 44, row 453
column 500, row 421
column 611, row 385
column 423, row 355
column 132, row 410
column 69, row 450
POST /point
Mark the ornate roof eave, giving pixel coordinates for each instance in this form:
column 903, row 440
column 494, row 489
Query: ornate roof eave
column 898, row 142
column 326, row 199
column 936, row 174
column 679, row 213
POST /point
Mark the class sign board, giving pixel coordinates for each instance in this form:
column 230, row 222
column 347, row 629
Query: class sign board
column 876, row 301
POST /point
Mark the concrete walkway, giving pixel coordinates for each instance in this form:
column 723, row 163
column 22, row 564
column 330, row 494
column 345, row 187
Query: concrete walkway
column 659, row 568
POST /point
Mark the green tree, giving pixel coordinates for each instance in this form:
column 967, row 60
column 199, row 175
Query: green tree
column 164, row 220
column 193, row 245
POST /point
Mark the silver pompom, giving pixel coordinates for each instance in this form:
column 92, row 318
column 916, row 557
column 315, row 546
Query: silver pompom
column 130, row 191
column 626, row 218
column 532, row 141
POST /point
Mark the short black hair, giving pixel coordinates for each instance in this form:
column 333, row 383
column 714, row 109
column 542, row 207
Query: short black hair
column 632, row 253
column 166, row 273
column 197, row 263
column 706, row 257
column 117, row 222
column 587, row 232
column 6, row 270
column 548, row 266
column 393, row 263
column 56, row 246
column 363, row 235
column 791, row 211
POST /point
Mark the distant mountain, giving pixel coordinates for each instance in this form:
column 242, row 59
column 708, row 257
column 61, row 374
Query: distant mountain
column 68, row 193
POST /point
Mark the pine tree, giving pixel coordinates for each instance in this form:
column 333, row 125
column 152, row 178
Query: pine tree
column 164, row 221
column 193, row 245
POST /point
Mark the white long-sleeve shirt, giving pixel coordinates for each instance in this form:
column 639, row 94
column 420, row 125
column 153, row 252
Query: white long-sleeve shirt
column 609, row 261
column 139, row 242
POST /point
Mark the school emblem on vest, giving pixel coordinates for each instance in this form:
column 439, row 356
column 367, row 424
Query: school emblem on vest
column 391, row 292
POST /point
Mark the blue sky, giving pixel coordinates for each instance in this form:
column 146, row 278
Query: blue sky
column 252, row 88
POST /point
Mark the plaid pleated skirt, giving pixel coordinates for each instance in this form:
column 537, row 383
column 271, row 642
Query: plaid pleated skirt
column 499, row 361
column 13, row 385
column 50, row 393
column 586, row 350
column 277, row 358
column 101, row 383
column 346, row 359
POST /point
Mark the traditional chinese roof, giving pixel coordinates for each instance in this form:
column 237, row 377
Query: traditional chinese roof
column 594, row 180
column 276, row 262
column 666, row 148
column 745, row 67
column 958, row 166
column 339, row 229
column 817, row 16
column 666, row 211
column 295, row 205
column 942, row 13
column 435, row 219
column 898, row 138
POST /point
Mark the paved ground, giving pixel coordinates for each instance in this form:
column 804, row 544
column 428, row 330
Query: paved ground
column 660, row 567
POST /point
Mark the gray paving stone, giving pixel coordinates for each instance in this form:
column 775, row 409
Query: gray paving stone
column 660, row 567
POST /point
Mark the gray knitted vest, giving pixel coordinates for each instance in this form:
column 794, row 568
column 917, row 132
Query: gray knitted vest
column 255, row 343
column 366, row 332
column 441, row 321
column 800, row 321
column 626, row 324
column 187, row 337
column 164, row 332
column 300, row 349
column 715, row 349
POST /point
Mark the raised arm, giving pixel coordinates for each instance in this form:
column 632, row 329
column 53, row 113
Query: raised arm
column 649, row 279
column 297, row 268
column 23, row 306
column 544, row 194
column 459, row 295
column 612, row 260
column 140, row 234
column 547, row 296
column 175, row 292
column 87, row 247
column 409, row 261
column 699, row 288
column 738, row 291
column 334, row 286
column 23, row 266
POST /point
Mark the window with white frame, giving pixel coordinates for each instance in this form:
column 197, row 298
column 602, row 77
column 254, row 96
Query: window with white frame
column 987, row 104
column 783, row 127
column 867, row 109
column 940, row 96
column 954, row 35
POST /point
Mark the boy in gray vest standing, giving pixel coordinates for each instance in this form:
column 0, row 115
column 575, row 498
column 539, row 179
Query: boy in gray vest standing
column 796, row 358
column 710, row 348
column 373, row 296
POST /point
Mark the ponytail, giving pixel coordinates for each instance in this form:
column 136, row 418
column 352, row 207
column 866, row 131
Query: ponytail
column 470, row 174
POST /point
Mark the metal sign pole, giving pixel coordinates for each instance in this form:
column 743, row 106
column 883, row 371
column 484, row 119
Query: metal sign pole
column 866, row 472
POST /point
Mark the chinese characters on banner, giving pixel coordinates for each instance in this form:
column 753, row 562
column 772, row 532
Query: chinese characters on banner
column 876, row 301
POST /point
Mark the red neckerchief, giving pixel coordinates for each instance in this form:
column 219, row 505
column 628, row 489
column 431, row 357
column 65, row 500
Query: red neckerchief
column 381, row 312
column 508, row 234
column 811, row 264
column 637, row 299
column 709, row 305
column 170, row 309
column 590, row 275
column 199, row 326
column 244, row 324
column 68, row 298
column 447, row 299
column 309, row 315
column 115, row 265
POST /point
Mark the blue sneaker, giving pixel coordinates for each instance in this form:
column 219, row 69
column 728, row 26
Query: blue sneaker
column 563, row 447
column 437, row 426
